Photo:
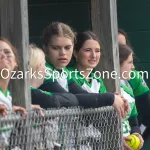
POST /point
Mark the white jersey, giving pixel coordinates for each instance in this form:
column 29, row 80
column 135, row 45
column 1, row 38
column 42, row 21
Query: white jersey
column 5, row 99
column 94, row 88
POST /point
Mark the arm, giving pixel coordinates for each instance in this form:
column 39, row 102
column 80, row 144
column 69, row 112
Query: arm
column 53, row 87
column 75, row 88
column 44, row 100
column 134, row 125
column 95, row 100
column 3, row 110
column 66, row 99
column 143, row 107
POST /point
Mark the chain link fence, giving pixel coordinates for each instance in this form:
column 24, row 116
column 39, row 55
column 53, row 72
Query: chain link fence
column 62, row 129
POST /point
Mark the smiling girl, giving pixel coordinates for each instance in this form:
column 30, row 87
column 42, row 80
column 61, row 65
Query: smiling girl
column 58, row 39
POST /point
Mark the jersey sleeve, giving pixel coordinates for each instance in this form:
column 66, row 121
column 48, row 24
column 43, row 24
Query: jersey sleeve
column 44, row 99
column 53, row 87
column 75, row 88
column 138, row 84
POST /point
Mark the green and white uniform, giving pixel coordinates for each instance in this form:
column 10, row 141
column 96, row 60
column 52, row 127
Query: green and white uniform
column 137, row 84
column 128, row 94
column 63, row 77
column 141, row 94
column 95, row 86
column 5, row 130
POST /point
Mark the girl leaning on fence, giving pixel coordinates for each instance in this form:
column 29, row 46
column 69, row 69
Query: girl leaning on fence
column 87, row 55
column 8, row 63
column 58, row 46
column 141, row 93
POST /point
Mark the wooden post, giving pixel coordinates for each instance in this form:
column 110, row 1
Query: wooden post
column 104, row 24
column 14, row 27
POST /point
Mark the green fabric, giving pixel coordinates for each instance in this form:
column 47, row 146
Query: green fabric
column 45, row 92
column 132, row 105
column 138, row 85
column 79, row 78
column 51, row 71
column 6, row 93
column 128, row 94
column 127, row 90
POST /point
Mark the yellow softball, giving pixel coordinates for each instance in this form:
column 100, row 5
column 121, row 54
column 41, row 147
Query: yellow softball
column 134, row 143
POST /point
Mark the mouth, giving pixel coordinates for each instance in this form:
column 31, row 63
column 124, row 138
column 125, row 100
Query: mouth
column 63, row 60
column 92, row 61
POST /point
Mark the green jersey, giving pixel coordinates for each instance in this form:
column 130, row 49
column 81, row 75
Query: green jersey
column 61, row 76
column 45, row 92
column 138, row 85
column 128, row 94
column 95, row 85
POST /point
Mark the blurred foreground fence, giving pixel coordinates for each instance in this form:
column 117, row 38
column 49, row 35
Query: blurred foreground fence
column 62, row 129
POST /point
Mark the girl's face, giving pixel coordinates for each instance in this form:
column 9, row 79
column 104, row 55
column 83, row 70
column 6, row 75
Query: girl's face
column 7, row 57
column 121, row 39
column 60, row 51
column 126, row 68
column 88, row 55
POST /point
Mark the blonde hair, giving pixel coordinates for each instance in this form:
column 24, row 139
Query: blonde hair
column 35, row 56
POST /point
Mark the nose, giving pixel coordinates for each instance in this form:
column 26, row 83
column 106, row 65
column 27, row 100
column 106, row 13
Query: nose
column 93, row 54
column 133, row 67
column 62, row 51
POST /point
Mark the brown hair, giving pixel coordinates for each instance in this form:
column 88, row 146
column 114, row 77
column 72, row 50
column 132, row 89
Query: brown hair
column 121, row 31
column 56, row 29
column 14, row 50
column 124, row 52
column 82, row 37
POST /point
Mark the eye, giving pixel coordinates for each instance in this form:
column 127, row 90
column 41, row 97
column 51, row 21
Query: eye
column 97, row 50
column 87, row 49
column 68, row 47
column 54, row 47
column 7, row 52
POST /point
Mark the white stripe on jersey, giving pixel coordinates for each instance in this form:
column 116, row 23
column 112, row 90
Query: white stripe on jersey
column 94, row 88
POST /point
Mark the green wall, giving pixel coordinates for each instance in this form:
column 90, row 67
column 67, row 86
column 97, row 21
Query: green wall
column 134, row 18
column 75, row 13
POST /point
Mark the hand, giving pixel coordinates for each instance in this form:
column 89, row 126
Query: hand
column 21, row 109
column 126, row 105
column 141, row 140
column 37, row 107
column 3, row 110
column 125, row 145
column 119, row 106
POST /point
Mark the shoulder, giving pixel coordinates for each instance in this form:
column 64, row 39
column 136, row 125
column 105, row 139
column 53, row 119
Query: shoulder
column 138, row 84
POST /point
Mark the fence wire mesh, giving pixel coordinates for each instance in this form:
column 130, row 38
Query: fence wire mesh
column 62, row 129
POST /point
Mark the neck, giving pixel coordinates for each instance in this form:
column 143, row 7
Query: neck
column 85, row 72
column 4, row 84
column 35, row 83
